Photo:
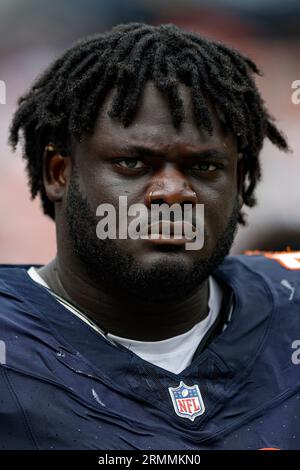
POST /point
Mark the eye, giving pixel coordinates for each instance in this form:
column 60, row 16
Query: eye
column 204, row 167
column 131, row 164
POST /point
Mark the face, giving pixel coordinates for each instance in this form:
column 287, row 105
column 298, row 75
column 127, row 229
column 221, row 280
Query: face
column 174, row 166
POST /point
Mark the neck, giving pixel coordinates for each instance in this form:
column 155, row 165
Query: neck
column 128, row 319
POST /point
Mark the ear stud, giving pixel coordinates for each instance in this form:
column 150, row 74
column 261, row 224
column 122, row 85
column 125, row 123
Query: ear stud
column 150, row 197
column 49, row 148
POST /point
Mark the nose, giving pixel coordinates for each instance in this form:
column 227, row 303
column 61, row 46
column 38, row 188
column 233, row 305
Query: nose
column 170, row 189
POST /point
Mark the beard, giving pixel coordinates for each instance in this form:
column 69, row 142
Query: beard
column 120, row 273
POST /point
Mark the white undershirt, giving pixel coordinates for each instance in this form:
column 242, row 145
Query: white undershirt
column 173, row 354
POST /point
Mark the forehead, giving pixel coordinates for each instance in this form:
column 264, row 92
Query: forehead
column 153, row 124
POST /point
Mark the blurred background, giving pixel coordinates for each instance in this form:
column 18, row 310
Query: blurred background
column 34, row 32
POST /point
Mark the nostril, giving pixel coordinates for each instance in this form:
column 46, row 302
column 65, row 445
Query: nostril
column 171, row 198
column 157, row 201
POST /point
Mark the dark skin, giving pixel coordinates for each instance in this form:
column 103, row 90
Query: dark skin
column 179, row 166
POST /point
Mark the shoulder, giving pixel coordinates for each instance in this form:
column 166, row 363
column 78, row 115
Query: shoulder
column 13, row 278
column 10, row 282
column 13, row 282
column 16, row 292
column 266, row 282
column 275, row 268
column 273, row 263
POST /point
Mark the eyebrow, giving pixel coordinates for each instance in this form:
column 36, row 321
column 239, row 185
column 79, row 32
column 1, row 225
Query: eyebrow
column 142, row 151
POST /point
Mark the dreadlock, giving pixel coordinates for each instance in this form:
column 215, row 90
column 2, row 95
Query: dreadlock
column 64, row 102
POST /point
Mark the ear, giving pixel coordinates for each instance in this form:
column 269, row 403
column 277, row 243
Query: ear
column 56, row 173
column 240, row 179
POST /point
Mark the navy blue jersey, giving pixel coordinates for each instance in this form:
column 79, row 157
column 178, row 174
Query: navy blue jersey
column 64, row 386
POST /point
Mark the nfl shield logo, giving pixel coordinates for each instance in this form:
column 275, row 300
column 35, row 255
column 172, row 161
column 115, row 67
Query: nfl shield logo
column 187, row 401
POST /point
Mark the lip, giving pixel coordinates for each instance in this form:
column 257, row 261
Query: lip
column 159, row 230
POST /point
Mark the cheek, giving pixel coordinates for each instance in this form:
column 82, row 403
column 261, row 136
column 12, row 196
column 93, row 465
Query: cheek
column 218, row 207
column 104, row 186
column 96, row 187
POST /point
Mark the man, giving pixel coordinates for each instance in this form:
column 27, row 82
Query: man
column 139, row 343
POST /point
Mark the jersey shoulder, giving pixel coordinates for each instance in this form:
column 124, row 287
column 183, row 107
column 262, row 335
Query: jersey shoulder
column 13, row 286
column 18, row 292
column 275, row 275
column 275, row 266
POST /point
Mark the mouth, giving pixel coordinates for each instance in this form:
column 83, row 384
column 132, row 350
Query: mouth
column 165, row 232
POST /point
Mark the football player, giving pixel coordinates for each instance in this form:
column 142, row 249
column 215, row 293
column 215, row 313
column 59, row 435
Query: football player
column 122, row 343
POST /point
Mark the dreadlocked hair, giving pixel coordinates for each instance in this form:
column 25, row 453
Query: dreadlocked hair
column 65, row 101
